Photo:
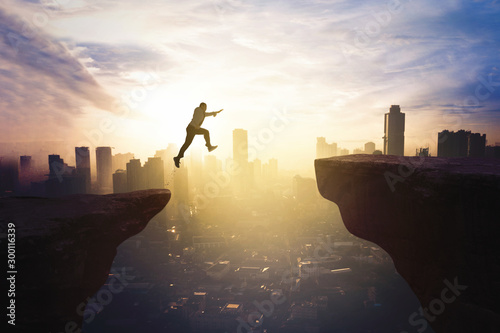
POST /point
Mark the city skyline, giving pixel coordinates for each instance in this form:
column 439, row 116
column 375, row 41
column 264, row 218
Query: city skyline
column 325, row 69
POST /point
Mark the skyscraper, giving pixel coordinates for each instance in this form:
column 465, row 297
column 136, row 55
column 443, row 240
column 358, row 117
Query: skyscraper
column 120, row 181
column 240, row 159
column 104, row 171
column 394, row 131
column 136, row 179
column 461, row 144
column 240, row 146
column 82, row 157
column 369, row 147
column 153, row 168
column 324, row 149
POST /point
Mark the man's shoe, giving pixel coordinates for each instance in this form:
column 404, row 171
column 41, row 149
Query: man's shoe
column 210, row 148
column 177, row 161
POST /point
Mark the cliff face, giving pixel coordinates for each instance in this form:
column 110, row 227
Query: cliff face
column 64, row 248
column 438, row 219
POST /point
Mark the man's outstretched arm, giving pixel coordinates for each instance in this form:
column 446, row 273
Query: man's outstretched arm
column 208, row 114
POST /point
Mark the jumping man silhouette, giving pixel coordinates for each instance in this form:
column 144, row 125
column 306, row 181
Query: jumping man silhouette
column 194, row 128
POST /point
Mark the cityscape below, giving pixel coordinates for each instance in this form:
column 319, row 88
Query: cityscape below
column 243, row 246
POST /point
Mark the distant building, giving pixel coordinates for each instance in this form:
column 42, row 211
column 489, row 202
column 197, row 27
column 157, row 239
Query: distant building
column 252, row 273
column 25, row 170
column 136, row 179
column 358, row 151
column 181, row 188
column 104, row 169
column 270, row 171
column 304, row 189
column 344, row 152
column 82, row 157
column 324, row 149
column 369, row 147
column 167, row 156
column 9, row 176
column 422, row 152
column 64, row 179
column 119, row 161
column 226, row 319
column 477, row 145
column 208, row 242
column 219, row 270
column 461, row 144
column 492, row 151
column 25, row 164
column 240, row 159
column 120, row 181
column 394, row 131
column 153, row 168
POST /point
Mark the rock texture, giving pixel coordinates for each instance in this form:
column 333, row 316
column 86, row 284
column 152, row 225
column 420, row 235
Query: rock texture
column 438, row 219
column 65, row 248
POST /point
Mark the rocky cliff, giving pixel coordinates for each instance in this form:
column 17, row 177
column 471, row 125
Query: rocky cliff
column 438, row 219
column 64, row 248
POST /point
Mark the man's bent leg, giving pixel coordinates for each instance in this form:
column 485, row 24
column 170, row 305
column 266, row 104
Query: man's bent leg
column 206, row 134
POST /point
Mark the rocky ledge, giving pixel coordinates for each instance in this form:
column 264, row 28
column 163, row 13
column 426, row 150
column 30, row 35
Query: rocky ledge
column 438, row 218
column 64, row 248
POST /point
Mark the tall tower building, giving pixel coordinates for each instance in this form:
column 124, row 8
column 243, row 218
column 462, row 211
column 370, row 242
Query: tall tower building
column 240, row 159
column 167, row 156
column 324, row 149
column 56, row 166
column 155, row 174
column 369, row 147
column 120, row 181
column 136, row 179
column 461, row 144
column 82, row 157
column 104, row 170
column 394, row 131
column 195, row 170
column 240, row 146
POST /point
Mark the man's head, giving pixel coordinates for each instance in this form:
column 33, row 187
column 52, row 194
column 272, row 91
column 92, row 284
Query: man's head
column 203, row 106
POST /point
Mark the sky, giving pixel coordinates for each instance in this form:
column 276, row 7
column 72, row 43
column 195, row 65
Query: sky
column 128, row 74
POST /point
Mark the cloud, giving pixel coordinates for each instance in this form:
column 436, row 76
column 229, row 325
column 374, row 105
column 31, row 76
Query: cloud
column 42, row 86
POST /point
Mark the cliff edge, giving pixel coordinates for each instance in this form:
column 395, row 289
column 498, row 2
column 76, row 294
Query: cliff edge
column 64, row 248
column 438, row 218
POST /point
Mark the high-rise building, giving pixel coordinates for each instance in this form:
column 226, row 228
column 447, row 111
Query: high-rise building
column 119, row 161
column 369, row 147
column 461, row 144
column 324, row 149
column 257, row 172
column 210, row 168
column 63, row 179
column 104, row 169
column 136, row 179
column 195, row 171
column 56, row 166
column 181, row 190
column 358, row 151
column 167, row 156
column 9, row 176
column 25, row 164
column 25, row 170
column 154, row 171
column 394, row 131
column 82, row 157
column 240, row 159
column 120, row 181
column 240, row 146
column 477, row 145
